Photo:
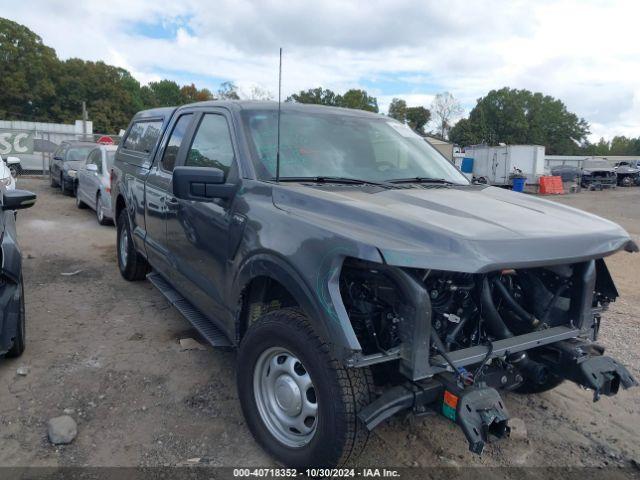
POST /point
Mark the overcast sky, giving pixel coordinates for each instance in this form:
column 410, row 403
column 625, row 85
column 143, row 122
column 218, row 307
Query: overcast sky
column 585, row 53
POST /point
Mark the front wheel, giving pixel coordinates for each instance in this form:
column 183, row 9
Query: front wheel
column 79, row 203
column 131, row 264
column 300, row 404
column 102, row 219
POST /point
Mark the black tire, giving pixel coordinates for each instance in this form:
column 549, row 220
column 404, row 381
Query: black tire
column 338, row 437
column 19, row 342
column 133, row 266
column 529, row 387
column 63, row 186
column 102, row 220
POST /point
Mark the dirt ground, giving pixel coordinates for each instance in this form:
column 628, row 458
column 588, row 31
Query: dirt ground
column 108, row 350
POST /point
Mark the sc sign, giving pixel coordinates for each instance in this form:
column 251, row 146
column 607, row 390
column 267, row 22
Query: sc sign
column 15, row 142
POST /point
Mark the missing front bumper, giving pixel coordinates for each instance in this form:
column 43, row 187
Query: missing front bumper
column 585, row 364
column 478, row 411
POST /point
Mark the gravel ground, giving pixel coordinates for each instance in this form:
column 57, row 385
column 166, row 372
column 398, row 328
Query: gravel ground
column 107, row 353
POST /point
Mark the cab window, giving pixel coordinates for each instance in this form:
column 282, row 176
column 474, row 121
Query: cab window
column 175, row 140
column 143, row 136
column 212, row 145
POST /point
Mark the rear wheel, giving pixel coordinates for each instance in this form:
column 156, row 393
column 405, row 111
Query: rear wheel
column 21, row 332
column 102, row 220
column 132, row 265
column 300, row 404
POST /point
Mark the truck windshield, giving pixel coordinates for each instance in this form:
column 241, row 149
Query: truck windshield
column 342, row 145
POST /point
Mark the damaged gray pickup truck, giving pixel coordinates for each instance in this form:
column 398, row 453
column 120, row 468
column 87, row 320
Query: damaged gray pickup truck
column 358, row 272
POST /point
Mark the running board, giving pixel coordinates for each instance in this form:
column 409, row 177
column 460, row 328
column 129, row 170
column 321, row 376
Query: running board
column 205, row 327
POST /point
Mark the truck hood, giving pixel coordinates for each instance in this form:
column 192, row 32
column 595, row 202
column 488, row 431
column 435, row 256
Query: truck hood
column 464, row 229
column 598, row 169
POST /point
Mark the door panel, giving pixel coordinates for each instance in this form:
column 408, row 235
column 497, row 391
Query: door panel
column 157, row 189
column 198, row 232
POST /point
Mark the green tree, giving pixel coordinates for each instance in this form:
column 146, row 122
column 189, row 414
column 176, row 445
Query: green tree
column 166, row 93
column 417, row 118
column 27, row 70
column 358, row 99
column 621, row 145
column 463, row 133
column 354, row 98
column 519, row 117
column 318, row 96
column 398, row 110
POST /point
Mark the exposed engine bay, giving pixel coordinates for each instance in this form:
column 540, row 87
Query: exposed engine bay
column 517, row 329
column 467, row 309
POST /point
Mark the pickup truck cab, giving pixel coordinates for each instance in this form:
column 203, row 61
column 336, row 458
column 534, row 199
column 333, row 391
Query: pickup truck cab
column 358, row 272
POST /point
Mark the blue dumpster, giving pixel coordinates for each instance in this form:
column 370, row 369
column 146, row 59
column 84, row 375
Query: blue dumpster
column 467, row 165
column 518, row 184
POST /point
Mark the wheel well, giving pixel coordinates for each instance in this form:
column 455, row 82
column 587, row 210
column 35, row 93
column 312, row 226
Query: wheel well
column 120, row 205
column 261, row 295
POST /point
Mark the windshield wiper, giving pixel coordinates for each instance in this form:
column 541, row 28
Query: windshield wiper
column 343, row 180
column 422, row 180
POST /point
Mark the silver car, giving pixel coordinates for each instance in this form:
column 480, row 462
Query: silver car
column 93, row 183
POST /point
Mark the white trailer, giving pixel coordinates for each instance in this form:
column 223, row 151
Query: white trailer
column 495, row 164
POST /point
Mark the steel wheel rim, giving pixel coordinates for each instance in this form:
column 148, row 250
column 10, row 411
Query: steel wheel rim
column 124, row 246
column 285, row 397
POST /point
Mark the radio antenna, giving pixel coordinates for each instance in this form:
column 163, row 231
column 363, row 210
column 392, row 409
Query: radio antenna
column 279, row 105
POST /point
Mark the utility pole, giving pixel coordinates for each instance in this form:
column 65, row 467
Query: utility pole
column 84, row 120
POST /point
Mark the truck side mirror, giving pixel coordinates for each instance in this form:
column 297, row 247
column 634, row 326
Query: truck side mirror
column 18, row 199
column 201, row 184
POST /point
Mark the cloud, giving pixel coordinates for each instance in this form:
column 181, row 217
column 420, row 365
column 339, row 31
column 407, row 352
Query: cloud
column 583, row 52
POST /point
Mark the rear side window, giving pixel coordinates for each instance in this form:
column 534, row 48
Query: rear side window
column 95, row 157
column 59, row 153
column 143, row 136
column 175, row 140
column 211, row 145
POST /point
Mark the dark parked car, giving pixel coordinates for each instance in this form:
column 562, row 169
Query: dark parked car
column 598, row 174
column 568, row 173
column 67, row 159
column 359, row 273
column 12, row 313
column 628, row 172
